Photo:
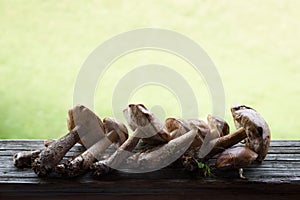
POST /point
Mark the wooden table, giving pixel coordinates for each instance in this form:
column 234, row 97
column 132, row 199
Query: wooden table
column 276, row 178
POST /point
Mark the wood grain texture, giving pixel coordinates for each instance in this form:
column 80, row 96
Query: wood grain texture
column 278, row 177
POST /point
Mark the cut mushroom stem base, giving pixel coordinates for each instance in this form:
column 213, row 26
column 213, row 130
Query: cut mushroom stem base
column 53, row 154
column 83, row 162
column 24, row 159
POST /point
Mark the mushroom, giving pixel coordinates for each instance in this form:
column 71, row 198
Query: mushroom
column 205, row 148
column 201, row 125
column 221, row 125
column 117, row 126
column 85, row 126
column 145, row 125
column 211, row 144
column 257, row 130
column 176, row 127
column 235, row 158
column 151, row 129
column 160, row 156
column 116, row 132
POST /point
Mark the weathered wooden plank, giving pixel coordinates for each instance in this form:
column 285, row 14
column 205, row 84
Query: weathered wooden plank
column 175, row 188
column 6, row 162
column 272, row 150
column 4, row 143
column 253, row 175
column 278, row 176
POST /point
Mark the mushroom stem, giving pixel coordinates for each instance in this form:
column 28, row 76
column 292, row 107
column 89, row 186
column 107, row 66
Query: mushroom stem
column 222, row 143
column 160, row 156
column 53, row 154
column 122, row 153
column 82, row 163
column 24, row 159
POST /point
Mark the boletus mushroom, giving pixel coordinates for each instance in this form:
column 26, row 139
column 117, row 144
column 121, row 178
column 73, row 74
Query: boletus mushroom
column 221, row 125
column 162, row 155
column 257, row 129
column 85, row 125
column 236, row 158
column 176, row 127
column 116, row 132
column 146, row 127
column 151, row 130
column 215, row 139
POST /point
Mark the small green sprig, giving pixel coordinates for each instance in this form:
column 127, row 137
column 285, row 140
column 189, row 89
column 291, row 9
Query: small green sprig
column 206, row 168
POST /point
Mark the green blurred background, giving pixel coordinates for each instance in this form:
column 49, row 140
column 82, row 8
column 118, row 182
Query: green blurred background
column 255, row 46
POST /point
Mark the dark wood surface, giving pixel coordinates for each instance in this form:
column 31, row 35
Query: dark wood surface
column 278, row 177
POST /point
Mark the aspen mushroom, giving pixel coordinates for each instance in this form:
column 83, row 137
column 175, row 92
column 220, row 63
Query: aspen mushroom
column 257, row 130
column 176, row 127
column 235, row 158
column 145, row 125
column 116, row 132
column 206, row 143
column 112, row 124
column 162, row 155
column 219, row 129
column 25, row 158
column 221, row 125
column 85, row 126
column 202, row 126
column 151, row 129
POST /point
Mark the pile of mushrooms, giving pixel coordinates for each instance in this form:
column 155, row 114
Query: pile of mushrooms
column 191, row 142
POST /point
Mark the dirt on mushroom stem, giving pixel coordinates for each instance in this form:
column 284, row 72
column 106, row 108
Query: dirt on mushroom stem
column 83, row 162
column 87, row 125
column 116, row 132
column 24, row 159
column 53, row 154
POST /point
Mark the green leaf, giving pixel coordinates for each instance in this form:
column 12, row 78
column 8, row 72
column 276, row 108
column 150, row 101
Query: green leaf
column 201, row 165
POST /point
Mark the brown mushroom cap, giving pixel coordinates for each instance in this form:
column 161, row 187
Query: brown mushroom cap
column 173, row 124
column 112, row 124
column 235, row 158
column 176, row 127
column 258, row 131
column 219, row 123
column 70, row 120
column 91, row 127
column 151, row 129
column 86, row 127
column 202, row 126
column 202, row 131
